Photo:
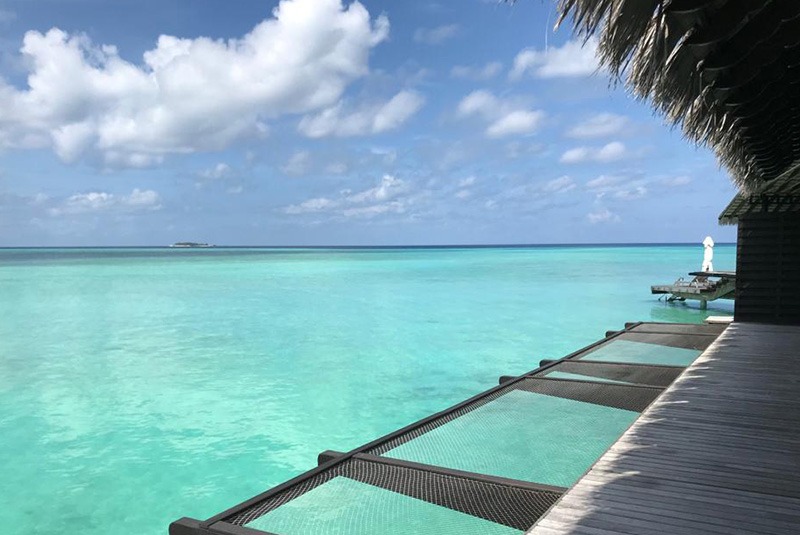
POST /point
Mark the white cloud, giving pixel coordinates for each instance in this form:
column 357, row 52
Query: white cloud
column 222, row 175
column 485, row 72
column 463, row 192
column 39, row 199
column 367, row 119
column 387, row 154
column 610, row 152
column 98, row 201
column 573, row 59
column 575, row 155
column 604, row 182
column 317, row 204
column 337, row 168
column 504, row 117
column 189, row 94
column 676, row 181
column 479, row 102
column 388, row 188
column 534, row 196
column 437, row 35
column 218, row 172
column 559, row 185
column 624, row 188
column 395, row 207
column 386, row 197
column 515, row 122
column 631, row 194
column 603, row 215
column 599, row 125
column 466, row 182
column 142, row 199
column 397, row 111
column 298, row 163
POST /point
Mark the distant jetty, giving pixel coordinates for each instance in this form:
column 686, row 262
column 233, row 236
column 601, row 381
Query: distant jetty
column 190, row 244
column 700, row 288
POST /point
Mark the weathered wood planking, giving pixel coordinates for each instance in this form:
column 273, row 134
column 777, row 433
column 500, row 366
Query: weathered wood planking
column 718, row 452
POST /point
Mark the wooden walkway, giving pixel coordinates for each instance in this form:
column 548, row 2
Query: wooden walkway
column 718, row 452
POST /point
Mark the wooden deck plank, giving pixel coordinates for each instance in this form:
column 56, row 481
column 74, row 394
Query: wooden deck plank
column 718, row 452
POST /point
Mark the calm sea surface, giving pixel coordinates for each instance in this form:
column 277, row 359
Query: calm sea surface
column 141, row 385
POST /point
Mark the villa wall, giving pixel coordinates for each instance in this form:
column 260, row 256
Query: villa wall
column 768, row 268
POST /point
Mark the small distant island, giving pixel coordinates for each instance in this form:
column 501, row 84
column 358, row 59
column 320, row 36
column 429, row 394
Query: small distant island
column 190, row 244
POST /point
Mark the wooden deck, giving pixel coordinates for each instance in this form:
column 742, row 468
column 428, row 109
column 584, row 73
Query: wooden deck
column 700, row 288
column 718, row 452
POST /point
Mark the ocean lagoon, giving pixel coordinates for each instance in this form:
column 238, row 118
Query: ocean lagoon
column 140, row 385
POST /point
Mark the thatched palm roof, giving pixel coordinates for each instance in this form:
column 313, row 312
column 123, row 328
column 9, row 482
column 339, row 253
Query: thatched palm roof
column 779, row 195
column 726, row 71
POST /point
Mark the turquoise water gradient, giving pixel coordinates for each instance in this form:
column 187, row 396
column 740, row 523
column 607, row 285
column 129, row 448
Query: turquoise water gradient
column 138, row 386
column 346, row 507
column 642, row 353
column 522, row 435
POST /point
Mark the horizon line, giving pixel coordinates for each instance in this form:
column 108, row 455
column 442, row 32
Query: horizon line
column 340, row 246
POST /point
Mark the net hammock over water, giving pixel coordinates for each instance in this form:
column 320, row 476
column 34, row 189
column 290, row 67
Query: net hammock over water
column 490, row 465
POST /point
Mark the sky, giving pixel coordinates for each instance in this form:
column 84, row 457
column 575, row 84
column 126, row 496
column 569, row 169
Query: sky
column 329, row 122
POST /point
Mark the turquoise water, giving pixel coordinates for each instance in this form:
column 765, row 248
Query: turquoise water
column 522, row 435
column 346, row 507
column 138, row 386
column 642, row 353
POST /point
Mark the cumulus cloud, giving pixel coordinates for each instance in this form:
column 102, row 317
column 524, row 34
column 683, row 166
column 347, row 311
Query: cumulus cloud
column 573, row 59
column 535, row 196
column 484, row 72
column 188, row 94
column 620, row 187
column 388, row 188
column 389, row 196
column 222, row 175
column 298, row 163
column 466, row 182
column 610, row 152
column 218, row 172
column 561, row 184
column 98, row 201
column 317, row 204
column 478, row 102
column 599, row 125
column 631, row 194
column 367, row 119
column 603, row 215
column 605, row 182
column 504, row 117
column 437, row 35
column 464, row 192
column 515, row 122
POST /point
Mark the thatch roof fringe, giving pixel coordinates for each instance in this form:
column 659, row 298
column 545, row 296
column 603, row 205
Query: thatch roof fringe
column 726, row 71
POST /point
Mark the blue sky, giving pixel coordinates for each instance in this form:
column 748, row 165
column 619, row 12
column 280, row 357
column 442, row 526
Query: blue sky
column 320, row 122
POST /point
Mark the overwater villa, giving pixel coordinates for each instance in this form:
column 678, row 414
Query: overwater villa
column 656, row 428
